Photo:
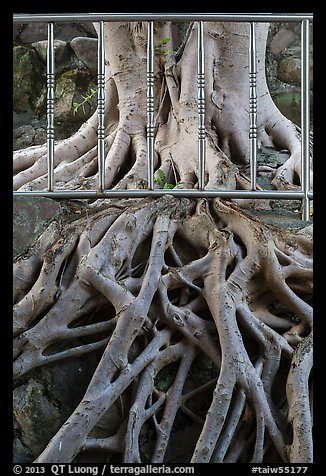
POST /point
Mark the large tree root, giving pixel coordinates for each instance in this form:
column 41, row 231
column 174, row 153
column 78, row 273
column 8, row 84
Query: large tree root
column 156, row 300
column 176, row 118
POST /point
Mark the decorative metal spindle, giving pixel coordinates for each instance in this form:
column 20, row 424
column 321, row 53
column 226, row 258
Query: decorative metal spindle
column 150, row 104
column 201, row 107
column 101, row 108
column 253, row 107
column 50, row 106
column 305, row 119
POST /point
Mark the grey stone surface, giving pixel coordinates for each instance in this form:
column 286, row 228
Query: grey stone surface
column 289, row 70
column 281, row 40
column 28, row 33
column 59, row 49
column 27, row 135
column 33, row 32
column 32, row 409
column 86, row 50
column 31, row 215
column 21, row 454
column 26, row 69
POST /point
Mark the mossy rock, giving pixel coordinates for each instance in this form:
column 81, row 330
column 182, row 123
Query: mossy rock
column 289, row 70
column 289, row 103
column 27, row 71
column 70, row 87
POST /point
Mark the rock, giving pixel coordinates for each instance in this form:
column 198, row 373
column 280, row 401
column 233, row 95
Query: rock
column 27, row 135
column 16, row 31
column 65, row 90
column 34, row 32
column 68, row 31
column 43, row 403
column 22, row 118
column 29, row 33
column 27, row 70
column 72, row 87
column 74, row 374
column 20, row 453
column 282, row 40
column 31, row 215
column 289, row 103
column 289, row 71
column 37, row 417
column 86, row 50
column 60, row 48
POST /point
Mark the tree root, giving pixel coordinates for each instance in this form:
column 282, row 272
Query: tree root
column 154, row 301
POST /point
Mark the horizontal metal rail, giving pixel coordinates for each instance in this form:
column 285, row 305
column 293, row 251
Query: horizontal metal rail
column 305, row 194
column 175, row 17
column 177, row 192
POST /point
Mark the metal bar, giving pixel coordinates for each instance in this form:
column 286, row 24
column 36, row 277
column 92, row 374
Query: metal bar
column 50, row 107
column 305, row 119
column 201, row 107
column 187, row 193
column 101, row 108
column 175, row 17
column 253, row 107
column 150, row 105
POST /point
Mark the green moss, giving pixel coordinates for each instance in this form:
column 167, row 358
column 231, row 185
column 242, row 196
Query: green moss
column 27, row 78
column 289, row 103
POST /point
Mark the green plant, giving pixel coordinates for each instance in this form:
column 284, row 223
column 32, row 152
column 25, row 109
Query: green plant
column 160, row 49
column 160, row 179
column 86, row 99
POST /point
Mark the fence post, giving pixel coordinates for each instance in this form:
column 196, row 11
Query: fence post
column 253, row 107
column 150, row 104
column 201, row 107
column 101, row 108
column 50, row 107
column 305, row 119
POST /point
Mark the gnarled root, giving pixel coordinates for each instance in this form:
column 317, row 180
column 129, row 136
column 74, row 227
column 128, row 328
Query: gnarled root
column 203, row 335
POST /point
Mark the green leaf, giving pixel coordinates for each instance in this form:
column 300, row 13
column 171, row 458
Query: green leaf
column 168, row 186
column 165, row 41
column 160, row 177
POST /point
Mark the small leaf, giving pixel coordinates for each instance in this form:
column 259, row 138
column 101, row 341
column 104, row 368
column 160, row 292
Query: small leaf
column 168, row 186
column 165, row 41
column 160, row 177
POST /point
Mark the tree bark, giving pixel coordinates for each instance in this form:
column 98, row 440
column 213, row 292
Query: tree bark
column 178, row 280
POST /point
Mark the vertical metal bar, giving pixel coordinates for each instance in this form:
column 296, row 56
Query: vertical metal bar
column 305, row 119
column 101, row 108
column 150, row 104
column 201, row 107
column 253, row 107
column 50, row 106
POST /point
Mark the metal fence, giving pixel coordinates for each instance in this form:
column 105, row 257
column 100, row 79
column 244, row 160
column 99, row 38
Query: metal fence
column 304, row 194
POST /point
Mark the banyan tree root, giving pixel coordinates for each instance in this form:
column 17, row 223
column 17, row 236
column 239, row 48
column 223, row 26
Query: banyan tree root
column 175, row 115
column 162, row 299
